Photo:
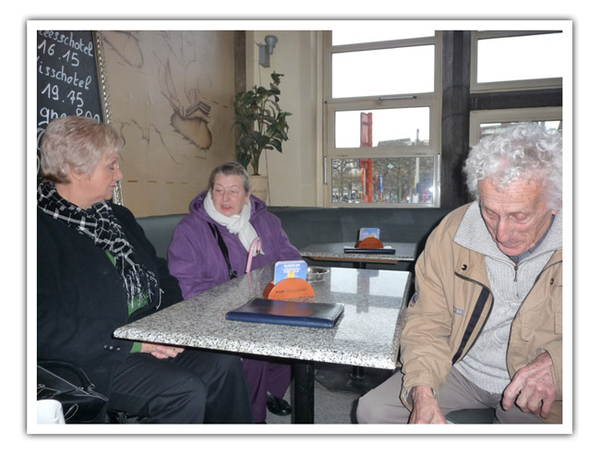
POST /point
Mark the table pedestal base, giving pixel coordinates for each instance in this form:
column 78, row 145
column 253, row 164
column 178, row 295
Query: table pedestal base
column 303, row 392
column 357, row 380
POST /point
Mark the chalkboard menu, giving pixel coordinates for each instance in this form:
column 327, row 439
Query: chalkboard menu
column 67, row 76
column 68, row 79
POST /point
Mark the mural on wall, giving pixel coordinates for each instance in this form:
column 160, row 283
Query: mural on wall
column 191, row 115
column 172, row 94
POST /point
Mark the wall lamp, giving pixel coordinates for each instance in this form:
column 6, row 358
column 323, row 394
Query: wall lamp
column 265, row 50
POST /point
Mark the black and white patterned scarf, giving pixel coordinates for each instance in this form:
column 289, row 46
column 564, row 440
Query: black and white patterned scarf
column 99, row 223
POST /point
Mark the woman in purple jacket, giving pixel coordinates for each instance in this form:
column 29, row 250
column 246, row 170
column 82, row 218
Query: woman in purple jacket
column 228, row 214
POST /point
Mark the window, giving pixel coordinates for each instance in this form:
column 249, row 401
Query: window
column 406, row 126
column 382, row 71
column 487, row 122
column 409, row 180
column 382, row 117
column 517, row 60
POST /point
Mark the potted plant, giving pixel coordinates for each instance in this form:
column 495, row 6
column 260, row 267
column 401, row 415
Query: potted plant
column 262, row 125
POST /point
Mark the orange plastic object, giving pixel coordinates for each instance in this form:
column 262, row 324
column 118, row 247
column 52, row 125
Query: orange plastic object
column 369, row 243
column 290, row 288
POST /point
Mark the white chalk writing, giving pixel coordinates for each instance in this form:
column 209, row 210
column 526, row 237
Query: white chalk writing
column 66, row 72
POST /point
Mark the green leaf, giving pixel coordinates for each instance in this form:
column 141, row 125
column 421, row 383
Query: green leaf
column 260, row 122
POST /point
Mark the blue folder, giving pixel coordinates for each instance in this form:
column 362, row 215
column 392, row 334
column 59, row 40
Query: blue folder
column 288, row 312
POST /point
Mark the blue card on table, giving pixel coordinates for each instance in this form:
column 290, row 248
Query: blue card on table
column 368, row 232
column 289, row 269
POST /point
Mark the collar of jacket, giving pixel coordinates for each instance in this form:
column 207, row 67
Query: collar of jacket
column 469, row 263
column 197, row 206
column 473, row 234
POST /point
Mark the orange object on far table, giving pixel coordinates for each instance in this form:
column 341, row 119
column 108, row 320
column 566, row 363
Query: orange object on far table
column 370, row 243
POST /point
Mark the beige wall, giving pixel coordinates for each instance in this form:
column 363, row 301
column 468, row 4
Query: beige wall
column 292, row 174
column 156, row 78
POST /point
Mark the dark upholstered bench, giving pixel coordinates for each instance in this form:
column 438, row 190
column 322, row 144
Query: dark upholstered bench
column 159, row 230
column 309, row 225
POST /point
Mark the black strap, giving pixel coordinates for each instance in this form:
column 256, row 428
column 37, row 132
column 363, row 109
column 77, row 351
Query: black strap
column 53, row 365
column 232, row 273
column 472, row 323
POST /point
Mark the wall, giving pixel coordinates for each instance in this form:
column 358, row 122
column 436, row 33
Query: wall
column 171, row 94
column 292, row 174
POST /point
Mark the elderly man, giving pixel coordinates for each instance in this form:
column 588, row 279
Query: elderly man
column 484, row 328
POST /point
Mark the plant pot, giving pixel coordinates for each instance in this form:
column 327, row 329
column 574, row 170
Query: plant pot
column 260, row 187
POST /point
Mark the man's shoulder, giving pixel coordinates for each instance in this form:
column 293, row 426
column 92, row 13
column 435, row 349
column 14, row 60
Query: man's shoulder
column 457, row 214
column 451, row 222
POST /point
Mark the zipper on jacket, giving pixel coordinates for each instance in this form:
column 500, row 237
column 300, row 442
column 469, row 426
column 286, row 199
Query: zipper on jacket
column 547, row 266
column 475, row 316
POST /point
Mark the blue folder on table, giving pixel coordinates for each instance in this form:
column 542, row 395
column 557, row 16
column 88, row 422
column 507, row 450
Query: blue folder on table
column 288, row 312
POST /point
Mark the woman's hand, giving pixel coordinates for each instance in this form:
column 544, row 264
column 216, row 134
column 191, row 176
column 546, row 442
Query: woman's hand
column 160, row 351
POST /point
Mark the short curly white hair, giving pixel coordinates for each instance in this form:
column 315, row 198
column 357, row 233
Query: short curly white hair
column 520, row 151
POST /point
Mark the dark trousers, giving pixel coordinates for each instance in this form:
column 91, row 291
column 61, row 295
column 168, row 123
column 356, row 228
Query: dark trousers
column 266, row 377
column 194, row 387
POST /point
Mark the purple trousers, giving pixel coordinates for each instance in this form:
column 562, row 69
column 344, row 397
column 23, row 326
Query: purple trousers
column 265, row 377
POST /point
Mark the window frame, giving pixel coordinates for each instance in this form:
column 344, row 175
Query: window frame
column 431, row 100
column 532, row 114
column 521, row 84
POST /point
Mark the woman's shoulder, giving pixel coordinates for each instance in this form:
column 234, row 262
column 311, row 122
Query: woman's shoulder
column 47, row 224
column 194, row 225
column 258, row 205
column 121, row 211
column 263, row 215
column 46, row 228
column 126, row 220
column 54, row 235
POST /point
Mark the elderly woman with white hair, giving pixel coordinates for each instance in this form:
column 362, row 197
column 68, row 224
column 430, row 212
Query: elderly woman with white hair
column 97, row 271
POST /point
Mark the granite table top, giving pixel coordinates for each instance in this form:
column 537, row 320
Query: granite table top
column 366, row 335
column 335, row 252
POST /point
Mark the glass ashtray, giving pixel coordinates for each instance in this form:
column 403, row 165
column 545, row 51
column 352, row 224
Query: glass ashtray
column 316, row 273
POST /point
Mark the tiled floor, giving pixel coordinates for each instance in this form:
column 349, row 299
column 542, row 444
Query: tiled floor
column 331, row 406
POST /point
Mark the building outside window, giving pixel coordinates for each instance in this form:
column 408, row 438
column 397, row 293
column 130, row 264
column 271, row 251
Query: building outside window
column 383, row 116
column 487, row 122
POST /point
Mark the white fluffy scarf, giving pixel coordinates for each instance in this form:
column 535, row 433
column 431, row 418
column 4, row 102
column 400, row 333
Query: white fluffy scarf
column 236, row 224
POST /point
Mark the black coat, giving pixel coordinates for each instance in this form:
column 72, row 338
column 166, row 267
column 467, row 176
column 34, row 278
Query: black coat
column 81, row 299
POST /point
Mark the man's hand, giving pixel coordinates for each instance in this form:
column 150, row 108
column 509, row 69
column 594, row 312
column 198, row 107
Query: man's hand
column 425, row 407
column 533, row 387
column 161, row 351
